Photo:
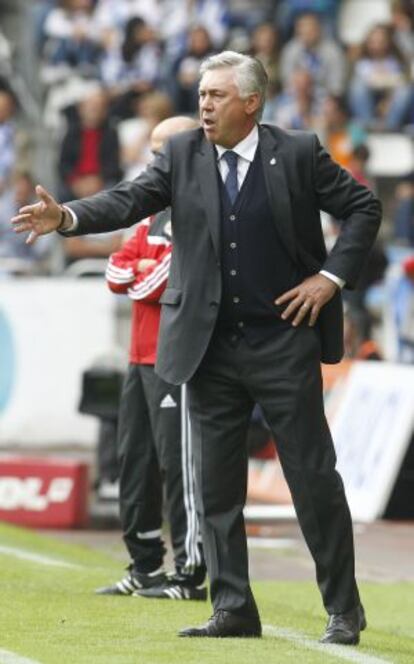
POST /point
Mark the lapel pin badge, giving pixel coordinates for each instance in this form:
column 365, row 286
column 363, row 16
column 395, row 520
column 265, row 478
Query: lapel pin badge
column 272, row 161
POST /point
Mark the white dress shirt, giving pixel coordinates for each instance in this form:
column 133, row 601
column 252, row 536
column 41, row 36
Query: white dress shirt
column 245, row 151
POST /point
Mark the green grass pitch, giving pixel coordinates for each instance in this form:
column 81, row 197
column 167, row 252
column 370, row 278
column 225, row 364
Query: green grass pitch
column 50, row 614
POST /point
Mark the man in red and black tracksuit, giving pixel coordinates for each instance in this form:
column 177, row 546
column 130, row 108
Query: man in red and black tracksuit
column 154, row 435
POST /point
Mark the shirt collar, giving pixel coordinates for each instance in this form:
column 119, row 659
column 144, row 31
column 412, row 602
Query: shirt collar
column 246, row 148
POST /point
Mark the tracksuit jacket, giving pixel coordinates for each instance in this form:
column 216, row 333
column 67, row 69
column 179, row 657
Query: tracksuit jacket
column 152, row 239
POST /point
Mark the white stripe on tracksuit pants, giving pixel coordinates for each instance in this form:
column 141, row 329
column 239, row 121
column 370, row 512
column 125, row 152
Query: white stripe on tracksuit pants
column 193, row 536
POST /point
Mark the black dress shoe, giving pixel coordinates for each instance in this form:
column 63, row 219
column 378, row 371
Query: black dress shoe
column 225, row 624
column 344, row 628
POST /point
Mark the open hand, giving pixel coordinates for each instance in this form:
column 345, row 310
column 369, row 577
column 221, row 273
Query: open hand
column 40, row 218
column 307, row 299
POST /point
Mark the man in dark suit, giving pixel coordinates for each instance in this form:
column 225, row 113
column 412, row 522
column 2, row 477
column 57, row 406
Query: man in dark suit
column 251, row 308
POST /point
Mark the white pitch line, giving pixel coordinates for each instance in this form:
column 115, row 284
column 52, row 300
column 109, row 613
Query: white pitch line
column 35, row 558
column 8, row 657
column 270, row 543
column 341, row 652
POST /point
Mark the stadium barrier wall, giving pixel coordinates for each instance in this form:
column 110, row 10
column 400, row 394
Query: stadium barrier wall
column 50, row 332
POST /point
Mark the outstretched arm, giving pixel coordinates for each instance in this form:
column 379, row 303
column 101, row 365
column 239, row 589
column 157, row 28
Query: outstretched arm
column 110, row 210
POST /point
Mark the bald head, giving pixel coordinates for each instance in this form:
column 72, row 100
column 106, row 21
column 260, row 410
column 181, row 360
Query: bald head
column 167, row 128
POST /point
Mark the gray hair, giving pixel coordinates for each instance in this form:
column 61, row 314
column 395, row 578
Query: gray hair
column 249, row 73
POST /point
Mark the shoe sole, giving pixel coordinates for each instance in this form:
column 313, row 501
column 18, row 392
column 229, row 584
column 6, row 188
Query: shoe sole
column 341, row 642
column 113, row 593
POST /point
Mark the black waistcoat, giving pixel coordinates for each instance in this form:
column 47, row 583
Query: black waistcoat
column 256, row 268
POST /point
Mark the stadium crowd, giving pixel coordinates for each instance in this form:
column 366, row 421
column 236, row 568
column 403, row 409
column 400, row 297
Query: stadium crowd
column 111, row 70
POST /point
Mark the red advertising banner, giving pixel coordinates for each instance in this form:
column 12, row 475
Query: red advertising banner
column 44, row 493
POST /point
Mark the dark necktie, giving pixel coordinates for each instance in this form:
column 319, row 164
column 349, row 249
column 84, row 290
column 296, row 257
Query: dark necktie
column 231, row 179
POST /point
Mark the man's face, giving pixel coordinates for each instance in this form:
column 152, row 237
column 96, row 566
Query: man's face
column 225, row 118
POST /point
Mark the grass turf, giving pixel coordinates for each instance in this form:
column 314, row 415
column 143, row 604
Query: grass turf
column 50, row 614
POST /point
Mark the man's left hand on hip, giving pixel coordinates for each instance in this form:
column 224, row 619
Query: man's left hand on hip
column 307, row 299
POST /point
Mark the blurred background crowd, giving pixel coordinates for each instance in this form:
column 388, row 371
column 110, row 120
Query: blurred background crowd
column 83, row 83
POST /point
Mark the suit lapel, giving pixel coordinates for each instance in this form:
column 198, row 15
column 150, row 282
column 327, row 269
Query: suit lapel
column 206, row 171
column 277, row 189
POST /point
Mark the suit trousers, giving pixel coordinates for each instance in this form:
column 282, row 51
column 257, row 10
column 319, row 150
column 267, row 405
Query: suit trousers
column 154, row 449
column 283, row 376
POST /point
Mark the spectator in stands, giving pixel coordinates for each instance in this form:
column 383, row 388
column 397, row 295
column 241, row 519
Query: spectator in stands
column 289, row 10
column 17, row 257
column 265, row 47
column 72, row 41
column 403, row 25
column 7, row 136
column 213, row 15
column 402, row 299
column 310, row 50
column 135, row 67
column 89, row 155
column 337, row 131
column 185, row 71
column 111, row 18
column 371, row 275
column 379, row 93
column 358, row 165
column 403, row 230
column 115, row 14
column 89, row 162
column 358, row 341
column 150, row 109
column 248, row 14
column 296, row 108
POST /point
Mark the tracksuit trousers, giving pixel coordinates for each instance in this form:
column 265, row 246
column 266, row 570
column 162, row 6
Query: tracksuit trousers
column 154, row 449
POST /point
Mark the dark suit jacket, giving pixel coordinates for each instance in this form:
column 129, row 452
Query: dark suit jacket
column 301, row 180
